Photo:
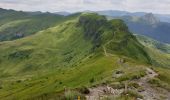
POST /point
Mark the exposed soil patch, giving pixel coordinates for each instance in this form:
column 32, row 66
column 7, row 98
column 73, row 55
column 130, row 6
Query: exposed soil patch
column 148, row 92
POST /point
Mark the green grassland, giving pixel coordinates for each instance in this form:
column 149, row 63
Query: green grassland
column 159, row 52
column 160, row 58
column 153, row 43
column 14, row 25
column 69, row 55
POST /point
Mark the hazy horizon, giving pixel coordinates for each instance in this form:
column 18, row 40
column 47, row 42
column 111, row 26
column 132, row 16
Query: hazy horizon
column 154, row 6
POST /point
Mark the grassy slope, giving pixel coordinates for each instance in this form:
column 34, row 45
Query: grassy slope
column 14, row 25
column 159, row 53
column 65, row 56
column 154, row 44
column 162, row 65
column 114, row 36
column 48, row 51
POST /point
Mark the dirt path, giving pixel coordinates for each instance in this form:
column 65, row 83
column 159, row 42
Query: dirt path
column 104, row 46
column 149, row 93
column 100, row 92
column 105, row 52
column 105, row 49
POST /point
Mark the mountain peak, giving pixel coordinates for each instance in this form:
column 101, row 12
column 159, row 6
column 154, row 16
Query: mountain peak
column 92, row 23
column 150, row 19
column 112, row 34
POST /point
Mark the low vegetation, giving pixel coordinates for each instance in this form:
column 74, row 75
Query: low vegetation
column 71, row 55
column 132, row 74
column 131, row 94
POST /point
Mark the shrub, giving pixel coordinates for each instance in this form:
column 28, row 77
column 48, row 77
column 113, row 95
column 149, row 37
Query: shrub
column 155, row 81
column 158, row 83
column 141, row 89
column 132, row 94
column 123, row 78
column 131, row 76
column 60, row 82
column 18, row 81
column 133, row 84
column 68, row 59
column 92, row 80
column 72, row 95
column 117, row 85
column 119, row 72
column 22, row 54
column 135, row 77
column 1, row 87
column 84, row 90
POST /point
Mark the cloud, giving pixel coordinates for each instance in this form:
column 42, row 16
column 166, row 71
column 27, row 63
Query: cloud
column 155, row 6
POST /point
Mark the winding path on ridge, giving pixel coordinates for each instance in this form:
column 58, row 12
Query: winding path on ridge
column 104, row 46
column 149, row 93
column 105, row 50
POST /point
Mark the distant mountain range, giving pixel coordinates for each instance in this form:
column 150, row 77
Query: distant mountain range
column 149, row 25
column 18, row 24
column 155, row 26
column 116, row 13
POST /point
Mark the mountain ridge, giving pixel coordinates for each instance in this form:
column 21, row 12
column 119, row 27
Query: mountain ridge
column 150, row 27
column 62, row 53
column 81, row 53
column 15, row 24
column 117, row 13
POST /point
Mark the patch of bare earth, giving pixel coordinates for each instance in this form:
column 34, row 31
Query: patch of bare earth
column 148, row 93
column 100, row 92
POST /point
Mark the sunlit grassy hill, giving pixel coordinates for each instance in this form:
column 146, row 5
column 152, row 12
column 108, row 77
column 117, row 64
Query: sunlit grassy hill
column 82, row 51
column 15, row 24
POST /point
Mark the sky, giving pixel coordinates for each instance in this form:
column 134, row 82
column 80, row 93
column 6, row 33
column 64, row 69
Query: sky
column 154, row 6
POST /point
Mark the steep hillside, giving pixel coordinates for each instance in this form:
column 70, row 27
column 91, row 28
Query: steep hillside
column 113, row 36
column 150, row 26
column 76, row 53
column 15, row 24
column 159, row 52
column 160, row 57
column 153, row 43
